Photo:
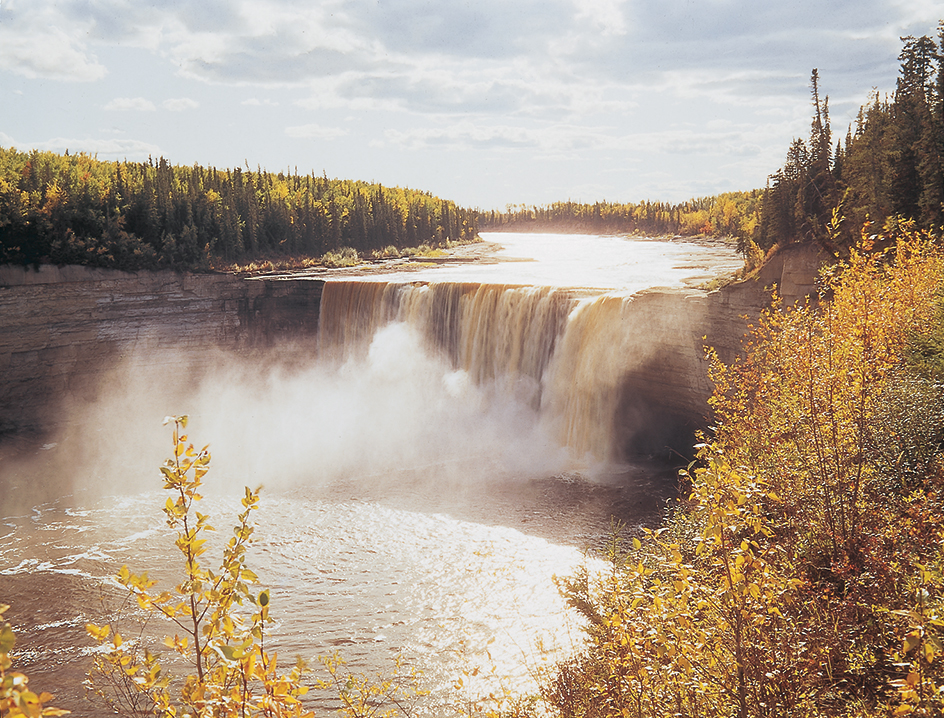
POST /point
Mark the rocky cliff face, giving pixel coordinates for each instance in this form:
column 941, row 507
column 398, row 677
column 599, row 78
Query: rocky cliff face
column 63, row 328
column 665, row 399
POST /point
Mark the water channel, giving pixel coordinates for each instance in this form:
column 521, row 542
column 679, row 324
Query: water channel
column 426, row 473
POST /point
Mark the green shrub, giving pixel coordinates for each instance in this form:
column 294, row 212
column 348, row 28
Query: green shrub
column 344, row 257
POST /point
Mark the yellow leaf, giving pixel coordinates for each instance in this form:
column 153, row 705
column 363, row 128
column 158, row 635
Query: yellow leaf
column 99, row 633
column 911, row 641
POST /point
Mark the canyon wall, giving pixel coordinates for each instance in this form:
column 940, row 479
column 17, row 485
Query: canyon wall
column 664, row 399
column 63, row 328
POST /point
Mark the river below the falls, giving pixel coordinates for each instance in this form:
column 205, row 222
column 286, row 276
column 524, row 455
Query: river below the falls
column 419, row 496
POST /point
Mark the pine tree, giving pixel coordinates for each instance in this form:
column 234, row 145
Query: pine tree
column 915, row 161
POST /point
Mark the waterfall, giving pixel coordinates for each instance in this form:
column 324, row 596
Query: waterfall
column 585, row 377
column 567, row 356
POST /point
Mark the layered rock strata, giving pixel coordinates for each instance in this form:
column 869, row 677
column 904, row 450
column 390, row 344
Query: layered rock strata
column 63, row 328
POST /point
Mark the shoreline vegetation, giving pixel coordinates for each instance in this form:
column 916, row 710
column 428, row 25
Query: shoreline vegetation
column 804, row 573
column 134, row 216
column 75, row 209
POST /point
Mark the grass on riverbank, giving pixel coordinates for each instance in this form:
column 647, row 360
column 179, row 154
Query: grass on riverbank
column 343, row 257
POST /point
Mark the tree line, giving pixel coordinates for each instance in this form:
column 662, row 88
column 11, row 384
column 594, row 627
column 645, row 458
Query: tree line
column 75, row 209
column 731, row 214
column 889, row 166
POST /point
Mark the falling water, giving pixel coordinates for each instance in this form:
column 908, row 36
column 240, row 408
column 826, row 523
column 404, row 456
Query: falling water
column 555, row 350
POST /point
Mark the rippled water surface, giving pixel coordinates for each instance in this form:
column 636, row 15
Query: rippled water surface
column 452, row 583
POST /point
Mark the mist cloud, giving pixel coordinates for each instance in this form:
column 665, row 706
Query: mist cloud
column 394, row 413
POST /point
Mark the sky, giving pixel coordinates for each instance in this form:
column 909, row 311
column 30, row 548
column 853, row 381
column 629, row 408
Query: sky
column 489, row 103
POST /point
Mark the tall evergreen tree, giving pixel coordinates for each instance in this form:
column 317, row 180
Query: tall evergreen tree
column 915, row 161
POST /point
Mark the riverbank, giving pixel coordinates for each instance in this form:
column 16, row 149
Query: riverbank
column 804, row 573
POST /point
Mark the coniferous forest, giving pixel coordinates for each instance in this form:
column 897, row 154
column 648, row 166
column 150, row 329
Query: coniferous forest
column 889, row 165
column 75, row 209
column 732, row 214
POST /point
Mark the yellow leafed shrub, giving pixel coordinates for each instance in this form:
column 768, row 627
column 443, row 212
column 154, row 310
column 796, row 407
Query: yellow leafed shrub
column 17, row 700
column 803, row 576
column 220, row 624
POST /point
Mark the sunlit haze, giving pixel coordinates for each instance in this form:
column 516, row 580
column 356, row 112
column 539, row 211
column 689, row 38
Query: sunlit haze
column 624, row 264
column 486, row 103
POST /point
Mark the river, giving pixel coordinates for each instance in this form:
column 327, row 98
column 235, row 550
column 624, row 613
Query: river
column 426, row 474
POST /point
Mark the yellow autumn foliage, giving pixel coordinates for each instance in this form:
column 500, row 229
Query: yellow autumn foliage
column 220, row 623
column 803, row 575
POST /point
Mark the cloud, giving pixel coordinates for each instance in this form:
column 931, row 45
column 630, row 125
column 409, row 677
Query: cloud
column 256, row 102
column 180, row 104
column 487, row 29
column 605, row 16
column 451, row 56
column 463, row 88
column 463, row 136
column 130, row 104
column 37, row 51
column 316, row 132
column 556, row 57
column 551, row 139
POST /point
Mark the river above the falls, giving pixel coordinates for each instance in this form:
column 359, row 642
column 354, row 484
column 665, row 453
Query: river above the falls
column 618, row 263
column 420, row 489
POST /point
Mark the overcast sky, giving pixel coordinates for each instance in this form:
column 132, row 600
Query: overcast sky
column 486, row 102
